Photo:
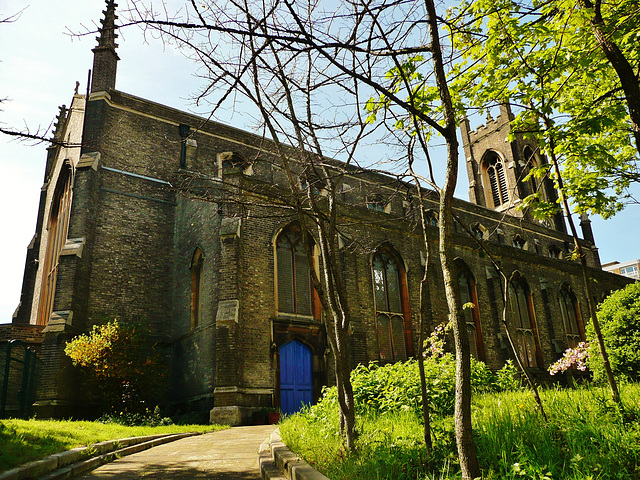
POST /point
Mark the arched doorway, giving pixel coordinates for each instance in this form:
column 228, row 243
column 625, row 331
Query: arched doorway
column 296, row 387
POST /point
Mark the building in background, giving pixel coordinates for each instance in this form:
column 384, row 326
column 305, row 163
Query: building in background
column 628, row 269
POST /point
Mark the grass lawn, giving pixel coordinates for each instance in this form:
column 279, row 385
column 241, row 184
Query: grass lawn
column 586, row 438
column 22, row 441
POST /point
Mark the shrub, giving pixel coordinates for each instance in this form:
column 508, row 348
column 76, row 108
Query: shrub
column 121, row 366
column 132, row 419
column 619, row 317
column 396, row 386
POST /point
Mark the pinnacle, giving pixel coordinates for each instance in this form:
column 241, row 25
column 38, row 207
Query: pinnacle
column 108, row 35
column 60, row 118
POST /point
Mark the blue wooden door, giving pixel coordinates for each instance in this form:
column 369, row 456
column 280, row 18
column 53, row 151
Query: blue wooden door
column 295, row 377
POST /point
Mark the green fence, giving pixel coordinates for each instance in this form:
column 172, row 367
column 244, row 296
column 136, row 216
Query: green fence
column 17, row 378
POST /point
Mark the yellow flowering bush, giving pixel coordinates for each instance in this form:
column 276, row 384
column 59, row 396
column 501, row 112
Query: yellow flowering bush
column 120, row 365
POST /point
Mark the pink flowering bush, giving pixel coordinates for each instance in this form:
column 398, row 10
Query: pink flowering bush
column 434, row 344
column 577, row 357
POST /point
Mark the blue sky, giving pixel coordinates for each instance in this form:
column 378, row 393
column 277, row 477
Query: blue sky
column 40, row 64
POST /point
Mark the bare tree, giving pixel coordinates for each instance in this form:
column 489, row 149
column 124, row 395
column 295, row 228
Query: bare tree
column 309, row 72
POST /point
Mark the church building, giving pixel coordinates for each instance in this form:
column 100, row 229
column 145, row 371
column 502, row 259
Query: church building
column 156, row 216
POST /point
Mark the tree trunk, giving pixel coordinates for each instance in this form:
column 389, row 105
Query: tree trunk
column 426, row 421
column 624, row 70
column 464, row 433
column 615, row 393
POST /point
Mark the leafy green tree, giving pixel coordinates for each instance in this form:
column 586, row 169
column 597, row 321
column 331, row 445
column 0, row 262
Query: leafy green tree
column 550, row 60
column 619, row 317
column 554, row 60
column 120, row 366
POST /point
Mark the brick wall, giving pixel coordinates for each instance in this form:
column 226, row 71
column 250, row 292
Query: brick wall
column 30, row 334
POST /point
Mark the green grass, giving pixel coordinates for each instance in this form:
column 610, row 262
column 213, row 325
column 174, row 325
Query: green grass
column 22, row 441
column 587, row 437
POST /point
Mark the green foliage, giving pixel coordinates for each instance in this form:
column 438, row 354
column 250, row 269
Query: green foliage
column 587, row 437
column 396, row 386
column 389, row 446
column 131, row 419
column 619, row 317
column 27, row 440
column 128, row 373
column 508, row 378
column 544, row 58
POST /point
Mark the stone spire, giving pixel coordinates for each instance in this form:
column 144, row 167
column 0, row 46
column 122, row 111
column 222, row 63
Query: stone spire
column 105, row 58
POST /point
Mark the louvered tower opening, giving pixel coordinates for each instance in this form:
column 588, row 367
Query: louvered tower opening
column 497, row 179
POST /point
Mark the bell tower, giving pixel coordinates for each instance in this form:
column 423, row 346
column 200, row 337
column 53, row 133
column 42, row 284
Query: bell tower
column 497, row 168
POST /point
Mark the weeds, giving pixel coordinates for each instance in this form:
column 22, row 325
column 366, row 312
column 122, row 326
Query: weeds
column 587, row 437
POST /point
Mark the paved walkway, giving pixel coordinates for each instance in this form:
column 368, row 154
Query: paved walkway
column 230, row 454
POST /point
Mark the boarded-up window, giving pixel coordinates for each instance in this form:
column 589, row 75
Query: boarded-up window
column 57, row 236
column 526, row 334
column 469, row 300
column 295, row 293
column 389, row 292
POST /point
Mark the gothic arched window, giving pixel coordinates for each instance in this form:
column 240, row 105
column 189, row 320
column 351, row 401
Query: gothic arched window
column 295, row 292
column 431, row 218
column 477, row 231
column 468, row 297
column 570, row 316
column 56, row 238
column 497, row 178
column 518, row 242
column 523, row 323
column 196, row 282
column 389, row 286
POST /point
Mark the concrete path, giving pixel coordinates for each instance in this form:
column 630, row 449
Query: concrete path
column 230, row 454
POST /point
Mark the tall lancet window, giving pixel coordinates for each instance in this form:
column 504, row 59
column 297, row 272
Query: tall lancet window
column 390, row 291
column 531, row 163
column 524, row 324
column 570, row 316
column 57, row 227
column 295, row 291
column 496, row 178
column 196, row 285
column 469, row 299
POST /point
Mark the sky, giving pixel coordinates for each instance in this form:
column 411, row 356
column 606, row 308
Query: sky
column 40, row 62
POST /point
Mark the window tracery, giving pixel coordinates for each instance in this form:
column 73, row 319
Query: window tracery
column 389, row 287
column 522, row 316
